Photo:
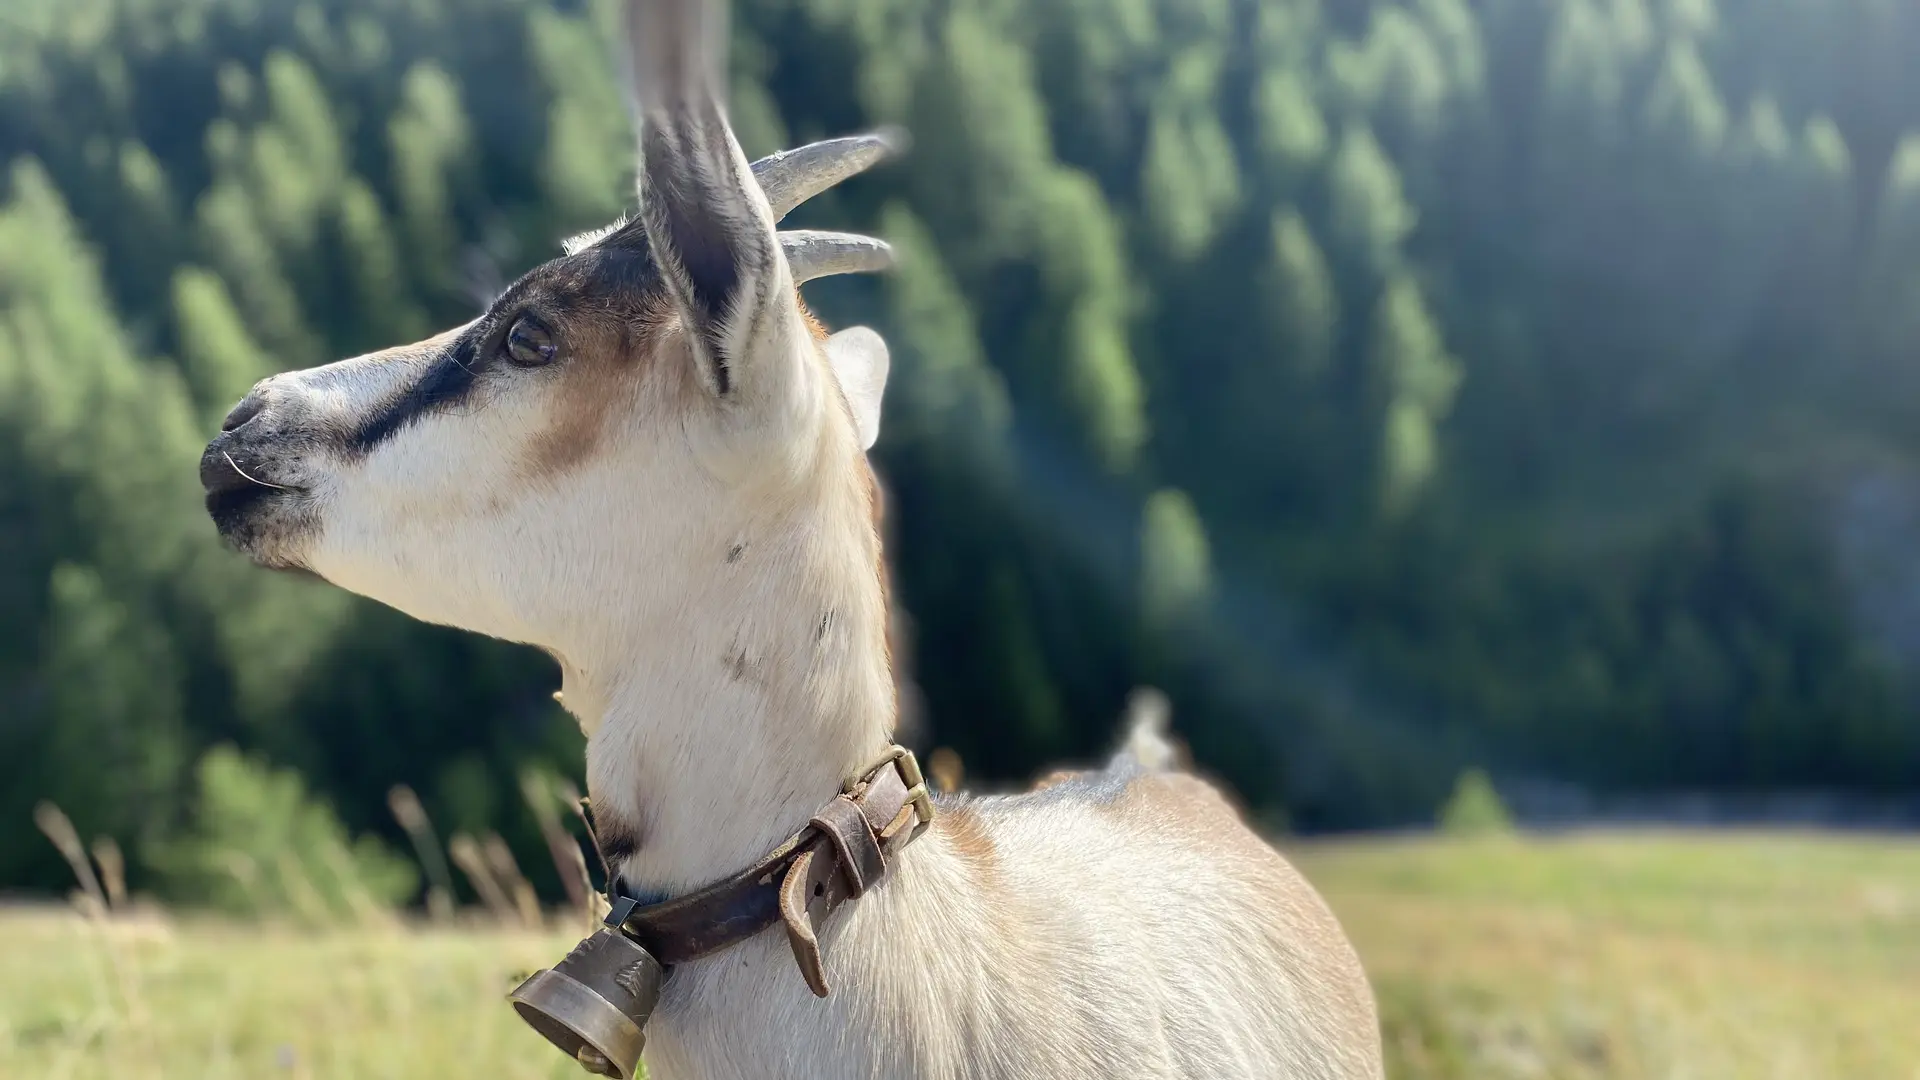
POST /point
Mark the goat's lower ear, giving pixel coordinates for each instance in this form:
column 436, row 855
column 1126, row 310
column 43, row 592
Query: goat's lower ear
column 859, row 358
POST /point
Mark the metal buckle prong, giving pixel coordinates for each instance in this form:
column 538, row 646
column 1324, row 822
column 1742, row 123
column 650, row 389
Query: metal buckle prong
column 918, row 796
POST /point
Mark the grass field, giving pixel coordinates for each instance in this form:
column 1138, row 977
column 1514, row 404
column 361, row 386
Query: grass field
column 1794, row 957
column 1684, row 956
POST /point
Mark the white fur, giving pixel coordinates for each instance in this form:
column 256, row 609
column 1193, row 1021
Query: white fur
column 574, row 245
column 860, row 362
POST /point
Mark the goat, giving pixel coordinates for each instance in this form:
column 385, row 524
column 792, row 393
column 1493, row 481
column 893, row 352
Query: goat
column 648, row 459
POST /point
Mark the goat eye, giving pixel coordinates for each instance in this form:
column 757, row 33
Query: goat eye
column 529, row 344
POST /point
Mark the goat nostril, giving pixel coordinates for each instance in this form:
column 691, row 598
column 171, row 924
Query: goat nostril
column 250, row 406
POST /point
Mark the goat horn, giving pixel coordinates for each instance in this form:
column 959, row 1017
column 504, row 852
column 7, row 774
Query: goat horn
column 813, row 254
column 791, row 177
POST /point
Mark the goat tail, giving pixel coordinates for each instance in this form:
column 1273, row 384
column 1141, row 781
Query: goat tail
column 1147, row 744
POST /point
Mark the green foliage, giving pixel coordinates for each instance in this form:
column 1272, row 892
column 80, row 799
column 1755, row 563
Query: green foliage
column 430, row 142
column 1474, row 808
column 258, row 844
column 376, row 285
column 948, row 398
column 1416, row 380
column 293, row 162
column 586, row 165
column 1682, row 107
column 1291, row 133
column 233, row 242
column 1300, row 299
column 1368, row 214
column 1522, row 381
column 218, row 357
column 1189, row 178
column 1175, row 576
column 112, row 712
column 1083, row 263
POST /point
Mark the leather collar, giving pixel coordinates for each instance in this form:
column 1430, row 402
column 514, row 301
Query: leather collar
column 842, row 852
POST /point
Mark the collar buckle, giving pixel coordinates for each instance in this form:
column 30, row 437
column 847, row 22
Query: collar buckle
column 918, row 795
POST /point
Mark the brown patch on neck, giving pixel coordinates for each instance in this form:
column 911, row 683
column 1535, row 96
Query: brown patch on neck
column 959, row 823
column 877, row 503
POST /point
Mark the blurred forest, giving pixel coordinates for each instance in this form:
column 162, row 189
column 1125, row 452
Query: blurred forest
column 1404, row 386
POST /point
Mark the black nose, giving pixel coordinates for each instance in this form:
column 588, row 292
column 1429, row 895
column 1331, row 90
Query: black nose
column 220, row 472
column 250, row 406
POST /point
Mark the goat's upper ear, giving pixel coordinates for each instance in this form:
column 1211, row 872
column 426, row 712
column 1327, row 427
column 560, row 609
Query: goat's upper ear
column 859, row 358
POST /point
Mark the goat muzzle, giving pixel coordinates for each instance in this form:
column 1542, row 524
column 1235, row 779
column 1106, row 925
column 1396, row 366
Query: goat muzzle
column 594, row 1004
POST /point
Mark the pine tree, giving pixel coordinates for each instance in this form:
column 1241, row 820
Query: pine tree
column 1301, row 306
column 1404, row 81
column 430, row 143
column 945, row 395
column 115, row 740
column 103, row 439
column 146, row 237
column 1368, row 214
column 1175, row 569
column 1416, row 381
column 1291, row 133
column 1190, row 181
column 296, row 161
column 377, row 288
column 1683, row 112
column 218, row 356
column 235, row 245
column 586, row 168
column 1084, row 274
column 1584, row 84
column 1890, row 300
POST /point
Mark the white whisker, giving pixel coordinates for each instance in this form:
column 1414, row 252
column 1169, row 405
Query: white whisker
column 248, row 476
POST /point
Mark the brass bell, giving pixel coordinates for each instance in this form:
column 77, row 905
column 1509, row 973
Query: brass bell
column 594, row 1004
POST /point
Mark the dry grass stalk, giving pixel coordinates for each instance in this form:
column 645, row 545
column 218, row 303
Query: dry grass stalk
column 426, row 846
column 466, row 855
column 246, row 872
column 597, row 905
column 366, row 910
column 512, row 882
column 561, row 847
column 91, row 900
column 571, row 796
column 113, row 871
column 592, row 903
column 66, row 839
column 300, row 892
